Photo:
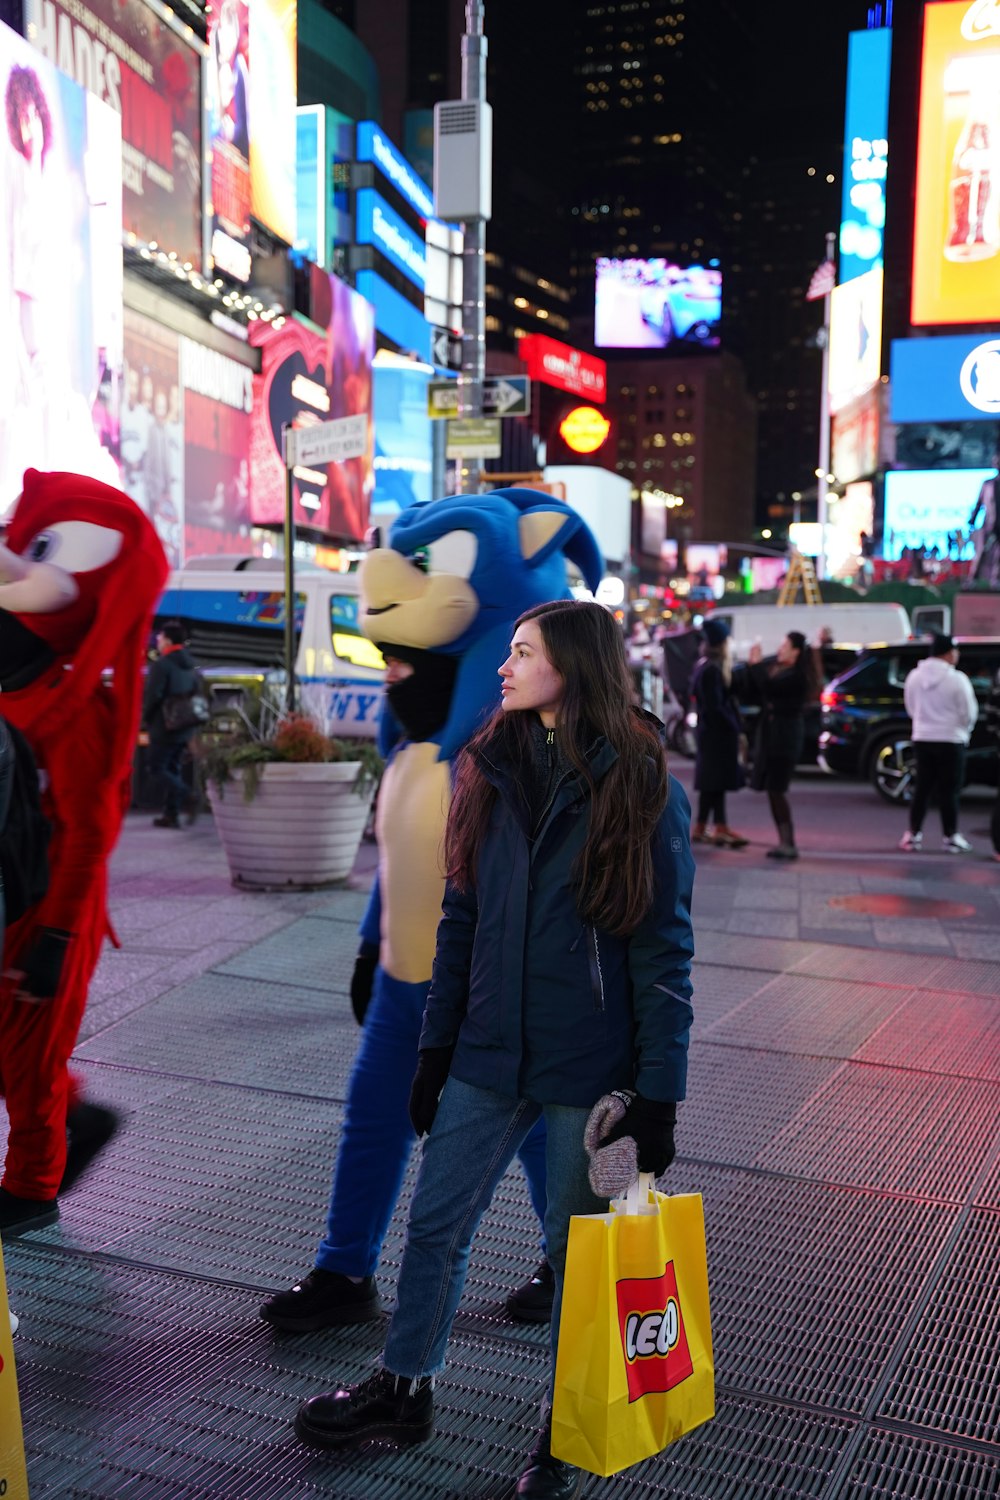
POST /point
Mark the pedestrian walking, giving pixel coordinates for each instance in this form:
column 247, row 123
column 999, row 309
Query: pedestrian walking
column 718, row 766
column 784, row 687
column 171, row 675
column 562, row 971
column 943, row 709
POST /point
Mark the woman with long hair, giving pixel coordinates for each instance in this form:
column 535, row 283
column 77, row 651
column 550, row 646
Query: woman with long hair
column 784, row 687
column 718, row 766
column 562, row 971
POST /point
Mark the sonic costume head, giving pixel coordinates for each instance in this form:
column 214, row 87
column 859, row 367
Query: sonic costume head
column 444, row 594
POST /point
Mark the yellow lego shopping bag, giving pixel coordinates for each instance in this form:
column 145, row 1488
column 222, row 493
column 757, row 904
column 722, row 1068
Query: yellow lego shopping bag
column 634, row 1370
column 13, row 1475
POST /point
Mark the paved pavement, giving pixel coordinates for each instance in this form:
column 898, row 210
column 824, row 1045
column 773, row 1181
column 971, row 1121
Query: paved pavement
column 843, row 1124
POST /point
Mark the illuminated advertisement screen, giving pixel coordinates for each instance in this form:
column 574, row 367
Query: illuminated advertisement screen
column 60, row 273
column 127, row 56
column 854, row 433
column 866, row 151
column 922, row 506
column 377, row 223
column 855, row 337
column 185, row 440
column 653, row 523
column 403, row 443
column 847, row 517
column 653, row 304
column 950, row 379
column 228, row 75
column 957, row 223
column 321, row 220
column 309, row 377
column 564, row 367
column 273, row 86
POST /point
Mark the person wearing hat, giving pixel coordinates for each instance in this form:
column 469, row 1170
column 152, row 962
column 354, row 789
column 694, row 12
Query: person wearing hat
column 943, row 709
column 718, row 765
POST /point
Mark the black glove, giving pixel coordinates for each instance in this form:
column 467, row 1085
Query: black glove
column 362, row 980
column 650, row 1123
column 428, row 1081
column 41, row 967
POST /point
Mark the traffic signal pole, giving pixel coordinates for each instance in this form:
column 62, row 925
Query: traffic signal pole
column 470, row 381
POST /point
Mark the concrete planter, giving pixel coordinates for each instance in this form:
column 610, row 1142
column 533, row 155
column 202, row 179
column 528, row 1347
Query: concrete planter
column 301, row 830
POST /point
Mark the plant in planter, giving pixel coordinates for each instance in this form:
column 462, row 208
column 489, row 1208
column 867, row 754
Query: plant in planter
column 303, row 803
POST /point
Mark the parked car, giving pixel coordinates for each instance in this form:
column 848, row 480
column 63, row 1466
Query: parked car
column 866, row 729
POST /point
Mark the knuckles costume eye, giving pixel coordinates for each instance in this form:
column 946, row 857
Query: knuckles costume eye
column 75, row 546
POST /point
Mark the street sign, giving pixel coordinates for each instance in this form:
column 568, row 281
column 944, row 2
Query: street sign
column 327, row 442
column 446, row 349
column 503, row 396
column 473, row 437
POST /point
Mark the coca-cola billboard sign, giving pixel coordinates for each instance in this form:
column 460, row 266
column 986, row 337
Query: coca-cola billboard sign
column 566, row 368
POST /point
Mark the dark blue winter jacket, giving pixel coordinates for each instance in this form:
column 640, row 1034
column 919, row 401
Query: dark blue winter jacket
column 541, row 1005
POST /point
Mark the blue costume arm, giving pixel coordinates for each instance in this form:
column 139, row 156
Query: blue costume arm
column 448, row 997
column 659, row 960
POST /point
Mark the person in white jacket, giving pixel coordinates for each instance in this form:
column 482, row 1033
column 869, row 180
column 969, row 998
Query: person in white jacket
column 943, row 708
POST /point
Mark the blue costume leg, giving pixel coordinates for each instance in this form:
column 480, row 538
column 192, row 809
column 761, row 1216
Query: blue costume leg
column 532, row 1154
column 377, row 1137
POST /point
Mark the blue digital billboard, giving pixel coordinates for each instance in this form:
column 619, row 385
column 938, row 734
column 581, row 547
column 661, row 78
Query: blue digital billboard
column 375, row 146
column 375, row 223
column 397, row 318
column 403, row 439
column 866, row 152
column 931, row 508
column 951, row 379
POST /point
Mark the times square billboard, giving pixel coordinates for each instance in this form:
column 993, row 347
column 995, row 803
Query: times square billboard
column 866, row 152
column 957, row 218
column 60, row 273
column 654, row 304
column 149, row 72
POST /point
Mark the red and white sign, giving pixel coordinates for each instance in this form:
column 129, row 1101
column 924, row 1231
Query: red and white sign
column 651, row 1325
column 566, row 368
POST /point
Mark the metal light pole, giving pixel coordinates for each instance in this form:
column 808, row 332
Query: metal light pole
column 470, row 381
column 824, row 423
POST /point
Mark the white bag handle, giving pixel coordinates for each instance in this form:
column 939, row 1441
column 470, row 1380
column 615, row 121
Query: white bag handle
column 636, row 1199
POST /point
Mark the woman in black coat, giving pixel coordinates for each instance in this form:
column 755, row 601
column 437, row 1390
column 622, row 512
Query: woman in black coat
column 717, row 767
column 784, row 687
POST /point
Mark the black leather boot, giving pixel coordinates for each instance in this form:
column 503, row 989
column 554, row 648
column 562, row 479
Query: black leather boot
column 383, row 1406
column 545, row 1477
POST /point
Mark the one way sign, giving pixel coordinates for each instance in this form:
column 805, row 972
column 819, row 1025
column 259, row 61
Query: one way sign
column 503, row 396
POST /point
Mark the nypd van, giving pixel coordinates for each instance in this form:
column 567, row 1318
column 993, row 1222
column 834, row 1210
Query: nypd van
column 233, row 612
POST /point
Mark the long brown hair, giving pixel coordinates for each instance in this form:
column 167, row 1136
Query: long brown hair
column 613, row 873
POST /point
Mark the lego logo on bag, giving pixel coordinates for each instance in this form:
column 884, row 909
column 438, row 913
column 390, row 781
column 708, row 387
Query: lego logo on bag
column 654, row 1343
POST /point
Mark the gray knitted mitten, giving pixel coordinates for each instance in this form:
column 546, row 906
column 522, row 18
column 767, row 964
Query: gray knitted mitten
column 612, row 1167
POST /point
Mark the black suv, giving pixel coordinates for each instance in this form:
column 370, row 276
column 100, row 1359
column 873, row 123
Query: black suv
column 866, row 729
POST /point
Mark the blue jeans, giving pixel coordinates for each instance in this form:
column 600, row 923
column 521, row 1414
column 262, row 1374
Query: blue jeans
column 474, row 1139
column 165, row 760
column 377, row 1137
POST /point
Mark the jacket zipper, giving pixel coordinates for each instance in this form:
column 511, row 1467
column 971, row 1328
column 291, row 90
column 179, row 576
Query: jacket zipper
column 596, row 974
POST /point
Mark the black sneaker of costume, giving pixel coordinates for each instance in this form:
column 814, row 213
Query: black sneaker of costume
column 532, row 1302
column 323, row 1299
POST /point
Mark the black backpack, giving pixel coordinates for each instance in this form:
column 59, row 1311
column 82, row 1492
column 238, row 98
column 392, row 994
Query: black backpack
column 24, row 832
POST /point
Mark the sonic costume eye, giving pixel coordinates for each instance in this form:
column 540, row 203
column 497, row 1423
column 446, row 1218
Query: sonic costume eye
column 421, row 559
column 454, row 553
column 75, row 546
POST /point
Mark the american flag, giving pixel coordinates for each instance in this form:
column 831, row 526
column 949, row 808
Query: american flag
column 824, row 279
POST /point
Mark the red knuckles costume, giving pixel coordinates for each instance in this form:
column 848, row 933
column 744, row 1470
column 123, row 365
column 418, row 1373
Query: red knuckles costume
column 81, row 569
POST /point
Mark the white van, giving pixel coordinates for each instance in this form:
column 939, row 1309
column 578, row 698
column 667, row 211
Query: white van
column 233, row 610
column 852, row 624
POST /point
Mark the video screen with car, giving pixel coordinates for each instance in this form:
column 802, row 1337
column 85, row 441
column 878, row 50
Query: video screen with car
column 653, row 304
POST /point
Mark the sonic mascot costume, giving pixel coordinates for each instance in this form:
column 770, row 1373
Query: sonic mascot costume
column 440, row 602
column 79, row 575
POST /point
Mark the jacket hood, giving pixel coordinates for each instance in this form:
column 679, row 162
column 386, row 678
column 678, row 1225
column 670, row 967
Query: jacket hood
column 934, row 670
